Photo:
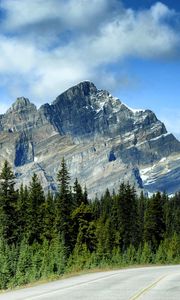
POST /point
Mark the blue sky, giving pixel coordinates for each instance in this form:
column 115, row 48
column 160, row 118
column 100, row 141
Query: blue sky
column 131, row 48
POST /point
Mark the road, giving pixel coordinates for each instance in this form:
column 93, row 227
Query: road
column 151, row 283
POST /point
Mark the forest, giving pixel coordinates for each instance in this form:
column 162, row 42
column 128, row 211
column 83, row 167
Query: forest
column 44, row 236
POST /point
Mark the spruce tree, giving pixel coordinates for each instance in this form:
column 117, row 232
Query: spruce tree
column 5, row 275
column 48, row 217
column 104, row 238
column 8, row 205
column 24, row 263
column 154, row 223
column 173, row 215
column 125, row 216
column 83, row 227
column 35, row 211
column 106, row 204
column 22, row 211
column 64, row 206
column 85, row 196
column 78, row 196
column 141, row 205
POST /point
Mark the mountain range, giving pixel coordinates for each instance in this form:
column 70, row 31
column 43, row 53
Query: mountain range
column 103, row 141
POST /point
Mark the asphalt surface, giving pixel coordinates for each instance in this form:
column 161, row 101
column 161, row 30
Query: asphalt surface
column 151, row 283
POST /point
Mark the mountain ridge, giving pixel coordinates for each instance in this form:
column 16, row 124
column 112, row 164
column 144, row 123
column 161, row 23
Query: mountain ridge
column 103, row 141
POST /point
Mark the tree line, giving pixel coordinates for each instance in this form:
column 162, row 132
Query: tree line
column 44, row 236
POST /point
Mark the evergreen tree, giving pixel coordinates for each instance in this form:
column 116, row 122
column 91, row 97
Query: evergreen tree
column 173, row 249
column 24, row 263
column 83, row 227
column 161, row 253
column 141, row 206
column 48, row 217
column 35, row 213
column 8, row 205
column 129, row 256
column 173, row 215
column 95, row 208
column 154, row 223
column 22, row 212
column 85, row 196
column 147, row 255
column 79, row 259
column 106, row 204
column 125, row 216
column 57, row 256
column 78, row 196
column 104, row 238
column 5, row 274
column 64, row 207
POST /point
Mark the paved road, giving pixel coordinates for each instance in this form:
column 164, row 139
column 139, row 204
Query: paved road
column 152, row 283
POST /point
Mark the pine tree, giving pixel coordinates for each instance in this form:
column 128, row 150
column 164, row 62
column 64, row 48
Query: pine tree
column 104, row 238
column 22, row 212
column 78, row 196
column 173, row 215
column 129, row 256
column 5, row 274
column 125, row 216
column 154, row 223
column 35, row 213
column 24, row 263
column 147, row 255
column 173, row 250
column 141, row 206
column 161, row 253
column 8, row 205
column 83, row 230
column 57, row 256
column 64, row 206
column 48, row 217
column 106, row 204
column 95, row 208
column 85, row 196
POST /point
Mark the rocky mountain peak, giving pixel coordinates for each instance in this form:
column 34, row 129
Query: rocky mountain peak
column 80, row 91
column 21, row 104
column 103, row 140
column 84, row 88
column 20, row 116
column 87, row 86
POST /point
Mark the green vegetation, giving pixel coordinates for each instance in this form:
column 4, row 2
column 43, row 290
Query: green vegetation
column 45, row 236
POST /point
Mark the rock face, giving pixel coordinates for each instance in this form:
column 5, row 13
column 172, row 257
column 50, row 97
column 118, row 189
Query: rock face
column 103, row 141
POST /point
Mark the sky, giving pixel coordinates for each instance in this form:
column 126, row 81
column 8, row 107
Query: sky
column 130, row 48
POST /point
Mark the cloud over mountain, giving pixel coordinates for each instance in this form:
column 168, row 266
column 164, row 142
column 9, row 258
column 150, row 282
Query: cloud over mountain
column 50, row 46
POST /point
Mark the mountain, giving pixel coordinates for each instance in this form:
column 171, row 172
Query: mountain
column 103, row 141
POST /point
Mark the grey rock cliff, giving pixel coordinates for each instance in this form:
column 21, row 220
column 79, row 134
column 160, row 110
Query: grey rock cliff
column 103, row 141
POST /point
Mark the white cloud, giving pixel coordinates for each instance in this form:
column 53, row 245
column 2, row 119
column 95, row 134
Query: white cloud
column 54, row 44
column 16, row 56
column 68, row 14
column 131, row 35
column 3, row 107
column 161, row 11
